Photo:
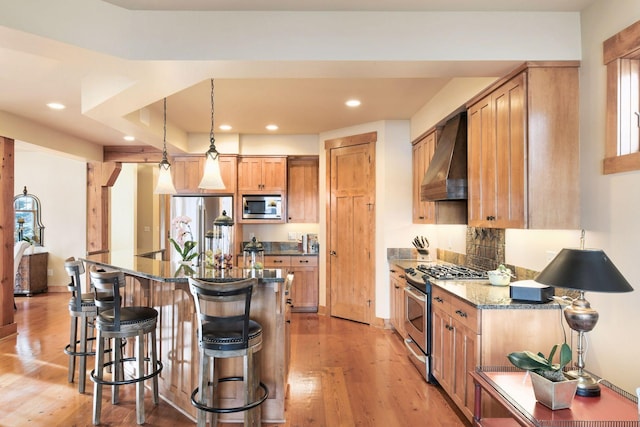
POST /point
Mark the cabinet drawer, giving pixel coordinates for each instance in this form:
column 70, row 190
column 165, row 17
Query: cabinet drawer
column 441, row 299
column 465, row 314
column 277, row 261
column 304, row 261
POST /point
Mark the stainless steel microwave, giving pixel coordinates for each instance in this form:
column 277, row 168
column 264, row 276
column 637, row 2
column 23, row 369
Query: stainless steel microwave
column 261, row 207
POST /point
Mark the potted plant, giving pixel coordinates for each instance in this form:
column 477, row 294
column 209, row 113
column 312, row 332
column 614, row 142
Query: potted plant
column 550, row 386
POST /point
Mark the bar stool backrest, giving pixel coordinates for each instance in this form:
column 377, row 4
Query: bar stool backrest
column 223, row 305
column 108, row 283
column 75, row 268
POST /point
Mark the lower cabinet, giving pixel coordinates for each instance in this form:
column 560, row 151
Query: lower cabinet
column 465, row 336
column 455, row 337
column 31, row 277
column 304, row 292
column 396, row 281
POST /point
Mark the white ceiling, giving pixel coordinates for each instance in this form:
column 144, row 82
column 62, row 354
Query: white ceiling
column 356, row 5
column 302, row 98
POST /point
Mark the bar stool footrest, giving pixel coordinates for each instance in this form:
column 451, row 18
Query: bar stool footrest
column 246, row 407
column 130, row 380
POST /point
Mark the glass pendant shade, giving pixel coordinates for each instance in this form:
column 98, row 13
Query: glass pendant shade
column 165, row 182
column 212, row 178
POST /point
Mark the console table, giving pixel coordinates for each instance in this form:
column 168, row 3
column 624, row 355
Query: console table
column 31, row 277
column 512, row 389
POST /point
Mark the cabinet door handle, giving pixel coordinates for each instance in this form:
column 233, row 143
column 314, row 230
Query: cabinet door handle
column 333, row 253
column 461, row 313
column 438, row 299
column 491, row 218
column 277, row 261
column 305, row 261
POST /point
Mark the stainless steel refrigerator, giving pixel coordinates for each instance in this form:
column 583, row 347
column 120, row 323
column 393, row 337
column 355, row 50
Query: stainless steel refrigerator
column 202, row 210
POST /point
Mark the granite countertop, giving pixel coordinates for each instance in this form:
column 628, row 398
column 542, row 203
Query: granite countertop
column 479, row 293
column 293, row 252
column 170, row 271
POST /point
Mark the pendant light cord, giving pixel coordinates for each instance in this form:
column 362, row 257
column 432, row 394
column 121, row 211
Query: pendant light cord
column 211, row 138
column 164, row 135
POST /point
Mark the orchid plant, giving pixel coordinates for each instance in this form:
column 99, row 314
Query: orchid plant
column 183, row 243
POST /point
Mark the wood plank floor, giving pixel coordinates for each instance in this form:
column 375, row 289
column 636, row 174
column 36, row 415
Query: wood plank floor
column 342, row 374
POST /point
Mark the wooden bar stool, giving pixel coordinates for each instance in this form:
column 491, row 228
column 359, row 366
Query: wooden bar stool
column 121, row 323
column 81, row 308
column 225, row 330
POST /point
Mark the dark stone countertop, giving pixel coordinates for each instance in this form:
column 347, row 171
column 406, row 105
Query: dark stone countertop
column 170, row 271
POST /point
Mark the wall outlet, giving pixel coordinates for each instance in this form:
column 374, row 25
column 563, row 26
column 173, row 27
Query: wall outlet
column 551, row 255
column 252, row 235
column 292, row 235
column 50, row 272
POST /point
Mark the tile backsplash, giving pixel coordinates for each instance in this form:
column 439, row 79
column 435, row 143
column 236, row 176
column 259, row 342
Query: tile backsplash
column 485, row 247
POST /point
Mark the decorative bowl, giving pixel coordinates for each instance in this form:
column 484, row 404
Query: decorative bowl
column 499, row 278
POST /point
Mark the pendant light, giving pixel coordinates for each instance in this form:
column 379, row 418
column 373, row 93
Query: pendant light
column 212, row 178
column 165, row 182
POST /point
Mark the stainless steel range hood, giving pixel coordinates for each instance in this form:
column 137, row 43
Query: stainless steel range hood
column 446, row 177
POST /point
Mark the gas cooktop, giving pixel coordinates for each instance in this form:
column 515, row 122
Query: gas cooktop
column 421, row 275
column 451, row 272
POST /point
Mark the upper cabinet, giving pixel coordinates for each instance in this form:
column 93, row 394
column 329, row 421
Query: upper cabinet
column 302, row 190
column 262, row 175
column 187, row 172
column 523, row 150
column 423, row 149
column 427, row 211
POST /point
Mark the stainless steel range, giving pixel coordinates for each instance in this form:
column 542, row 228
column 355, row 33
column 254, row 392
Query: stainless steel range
column 418, row 307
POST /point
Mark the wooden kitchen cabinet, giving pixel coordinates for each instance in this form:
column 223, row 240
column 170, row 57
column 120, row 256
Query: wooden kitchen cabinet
column 523, row 150
column 262, row 175
column 432, row 212
column 304, row 292
column 396, row 292
column 455, row 334
column 31, row 277
column 302, row 189
column 465, row 336
column 187, row 172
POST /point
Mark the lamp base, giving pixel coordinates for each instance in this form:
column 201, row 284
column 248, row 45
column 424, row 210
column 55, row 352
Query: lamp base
column 587, row 386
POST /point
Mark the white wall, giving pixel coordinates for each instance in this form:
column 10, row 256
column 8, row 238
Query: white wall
column 610, row 204
column 60, row 184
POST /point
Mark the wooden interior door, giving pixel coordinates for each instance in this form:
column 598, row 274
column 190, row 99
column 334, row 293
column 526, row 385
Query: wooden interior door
column 351, row 227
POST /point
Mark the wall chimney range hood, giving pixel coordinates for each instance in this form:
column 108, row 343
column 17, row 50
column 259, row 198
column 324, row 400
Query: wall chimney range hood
column 446, row 177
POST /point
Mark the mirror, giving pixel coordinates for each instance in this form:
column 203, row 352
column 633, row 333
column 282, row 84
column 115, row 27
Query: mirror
column 28, row 225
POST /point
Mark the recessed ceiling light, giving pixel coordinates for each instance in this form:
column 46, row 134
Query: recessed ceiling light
column 129, row 138
column 272, row 127
column 353, row 103
column 56, row 106
column 225, row 127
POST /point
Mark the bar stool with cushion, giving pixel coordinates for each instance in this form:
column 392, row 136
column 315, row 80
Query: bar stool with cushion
column 82, row 308
column 120, row 323
column 225, row 330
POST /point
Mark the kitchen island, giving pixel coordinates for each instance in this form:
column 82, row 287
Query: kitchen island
column 164, row 285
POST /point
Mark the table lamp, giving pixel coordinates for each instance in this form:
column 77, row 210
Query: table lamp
column 583, row 270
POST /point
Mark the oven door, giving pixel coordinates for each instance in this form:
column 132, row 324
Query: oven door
column 416, row 324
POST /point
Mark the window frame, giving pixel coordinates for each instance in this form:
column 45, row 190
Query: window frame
column 621, row 56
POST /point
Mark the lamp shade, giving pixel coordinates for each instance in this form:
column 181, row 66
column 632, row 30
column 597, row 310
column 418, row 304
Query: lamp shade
column 212, row 177
column 165, row 182
column 583, row 270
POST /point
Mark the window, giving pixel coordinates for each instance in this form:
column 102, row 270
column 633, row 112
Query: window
column 621, row 56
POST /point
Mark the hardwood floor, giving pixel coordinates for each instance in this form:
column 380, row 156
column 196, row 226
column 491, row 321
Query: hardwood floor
column 342, row 374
